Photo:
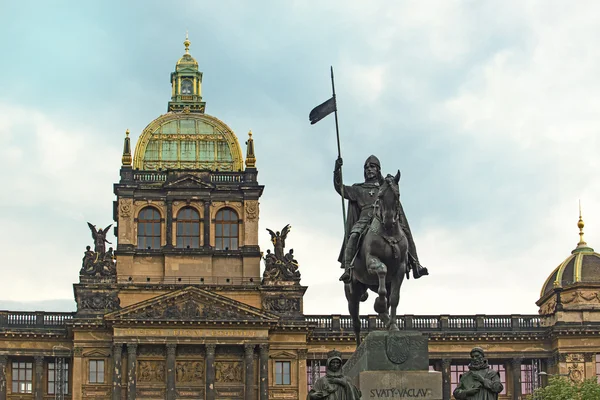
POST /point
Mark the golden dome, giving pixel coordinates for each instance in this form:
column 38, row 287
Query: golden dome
column 180, row 140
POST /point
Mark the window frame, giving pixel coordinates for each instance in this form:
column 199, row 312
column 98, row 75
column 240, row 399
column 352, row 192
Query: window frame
column 282, row 373
column 53, row 380
column 24, row 366
column 155, row 224
column 96, row 373
column 224, row 225
column 187, row 224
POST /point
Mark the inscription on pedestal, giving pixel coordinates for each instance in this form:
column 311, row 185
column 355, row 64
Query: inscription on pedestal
column 401, row 385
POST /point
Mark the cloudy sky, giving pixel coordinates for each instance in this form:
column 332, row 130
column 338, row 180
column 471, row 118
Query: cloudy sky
column 489, row 109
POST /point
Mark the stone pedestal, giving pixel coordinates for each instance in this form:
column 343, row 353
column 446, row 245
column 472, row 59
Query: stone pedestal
column 394, row 365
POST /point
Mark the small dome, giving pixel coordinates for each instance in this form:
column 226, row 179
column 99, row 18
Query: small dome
column 179, row 140
column 582, row 266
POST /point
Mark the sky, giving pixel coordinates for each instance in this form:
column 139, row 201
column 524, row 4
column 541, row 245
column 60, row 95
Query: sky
column 488, row 109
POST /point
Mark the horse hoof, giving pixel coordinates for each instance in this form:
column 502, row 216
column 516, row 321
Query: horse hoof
column 393, row 328
column 380, row 305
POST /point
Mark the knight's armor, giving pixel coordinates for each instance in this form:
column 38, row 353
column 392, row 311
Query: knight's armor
column 361, row 197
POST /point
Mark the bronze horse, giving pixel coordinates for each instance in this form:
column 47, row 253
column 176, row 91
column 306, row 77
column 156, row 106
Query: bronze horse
column 381, row 261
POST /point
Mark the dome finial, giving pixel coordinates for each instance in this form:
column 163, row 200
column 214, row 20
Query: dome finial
column 187, row 43
column 580, row 225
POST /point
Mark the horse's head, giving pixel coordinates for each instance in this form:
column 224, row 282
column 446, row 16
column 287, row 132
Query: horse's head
column 388, row 200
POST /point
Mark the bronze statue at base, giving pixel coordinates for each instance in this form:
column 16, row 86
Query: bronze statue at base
column 480, row 382
column 334, row 385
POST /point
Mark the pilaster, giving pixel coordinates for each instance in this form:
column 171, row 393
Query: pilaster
column 210, row 371
column 131, row 370
column 249, row 364
column 171, row 348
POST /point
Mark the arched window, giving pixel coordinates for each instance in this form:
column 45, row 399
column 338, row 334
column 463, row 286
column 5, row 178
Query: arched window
column 149, row 229
column 188, row 228
column 226, row 230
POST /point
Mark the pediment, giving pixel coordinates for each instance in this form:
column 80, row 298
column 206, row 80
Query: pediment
column 96, row 353
column 283, row 355
column 188, row 181
column 191, row 304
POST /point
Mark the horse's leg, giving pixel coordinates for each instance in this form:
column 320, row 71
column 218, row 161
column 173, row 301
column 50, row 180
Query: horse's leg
column 375, row 265
column 354, row 291
column 395, row 296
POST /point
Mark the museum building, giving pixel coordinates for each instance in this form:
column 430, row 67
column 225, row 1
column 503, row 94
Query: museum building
column 181, row 310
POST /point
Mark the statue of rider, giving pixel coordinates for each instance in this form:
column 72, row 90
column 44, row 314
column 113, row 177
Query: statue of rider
column 361, row 199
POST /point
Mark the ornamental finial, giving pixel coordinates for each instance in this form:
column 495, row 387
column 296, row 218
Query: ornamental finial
column 187, row 43
column 126, row 159
column 250, row 157
column 580, row 225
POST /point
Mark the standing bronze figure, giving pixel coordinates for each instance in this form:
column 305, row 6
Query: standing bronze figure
column 99, row 238
column 379, row 250
column 334, row 385
column 480, row 382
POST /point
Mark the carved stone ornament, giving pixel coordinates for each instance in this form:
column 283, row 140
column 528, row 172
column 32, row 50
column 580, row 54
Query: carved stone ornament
column 548, row 307
column 98, row 301
column 251, row 209
column 190, row 310
column 228, row 372
column 579, row 296
column 574, row 358
column 576, row 371
column 151, row 371
column 189, row 371
column 125, row 208
column 281, row 304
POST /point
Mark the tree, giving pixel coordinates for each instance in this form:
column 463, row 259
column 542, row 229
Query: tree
column 560, row 388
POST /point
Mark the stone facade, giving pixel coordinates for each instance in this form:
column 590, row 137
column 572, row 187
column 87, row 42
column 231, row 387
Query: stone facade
column 190, row 319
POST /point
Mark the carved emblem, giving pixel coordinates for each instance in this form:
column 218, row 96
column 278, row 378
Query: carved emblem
column 396, row 348
column 281, row 304
column 96, row 301
column 125, row 208
column 251, row 210
column 228, row 372
column 151, row 371
column 190, row 372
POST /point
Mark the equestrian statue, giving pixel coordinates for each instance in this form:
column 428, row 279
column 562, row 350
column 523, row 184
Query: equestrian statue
column 379, row 250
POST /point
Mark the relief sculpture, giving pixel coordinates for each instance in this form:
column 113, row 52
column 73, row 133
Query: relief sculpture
column 228, row 372
column 190, row 372
column 151, row 371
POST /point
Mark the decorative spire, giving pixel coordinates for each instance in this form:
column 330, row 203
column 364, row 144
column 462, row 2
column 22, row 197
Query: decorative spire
column 187, row 43
column 250, row 157
column 580, row 225
column 582, row 245
column 126, row 159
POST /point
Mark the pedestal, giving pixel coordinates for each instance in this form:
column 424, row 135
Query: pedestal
column 394, row 365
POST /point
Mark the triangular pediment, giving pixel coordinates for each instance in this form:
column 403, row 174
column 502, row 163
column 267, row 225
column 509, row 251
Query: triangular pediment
column 194, row 305
column 188, row 181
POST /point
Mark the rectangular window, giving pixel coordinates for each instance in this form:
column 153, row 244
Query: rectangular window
column 529, row 376
column 22, row 377
column 314, row 370
column 53, row 378
column 283, row 375
column 455, row 372
column 502, row 372
column 96, row 372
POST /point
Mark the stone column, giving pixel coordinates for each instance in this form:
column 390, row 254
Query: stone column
column 264, row 371
column 77, row 373
column 171, row 348
column 446, row 379
column 515, row 365
column 302, row 373
column 249, row 363
column 169, row 226
column 3, row 383
column 131, row 370
column 210, row 371
column 207, row 224
column 117, row 351
column 39, row 376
